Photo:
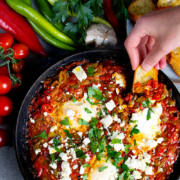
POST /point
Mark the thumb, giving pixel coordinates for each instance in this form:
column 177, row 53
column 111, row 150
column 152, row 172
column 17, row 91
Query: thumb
column 152, row 58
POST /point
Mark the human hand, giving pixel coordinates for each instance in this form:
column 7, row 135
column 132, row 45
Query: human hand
column 153, row 37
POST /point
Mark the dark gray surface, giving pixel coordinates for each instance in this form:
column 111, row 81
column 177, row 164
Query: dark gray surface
column 9, row 169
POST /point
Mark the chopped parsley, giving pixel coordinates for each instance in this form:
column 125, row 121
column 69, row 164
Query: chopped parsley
column 52, row 158
column 146, row 103
column 74, row 99
column 87, row 110
column 132, row 121
column 80, row 154
column 127, row 146
column 84, row 176
column 65, row 121
column 149, row 114
column 102, row 168
column 116, row 141
column 82, row 122
column 86, row 165
column 135, row 143
column 68, row 134
column 90, row 71
column 43, row 135
column 134, row 130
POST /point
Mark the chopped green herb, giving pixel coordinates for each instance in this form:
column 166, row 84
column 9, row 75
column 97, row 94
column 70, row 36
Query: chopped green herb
column 102, row 168
column 84, row 176
column 68, row 134
column 52, row 158
column 56, row 142
column 121, row 176
column 133, row 121
column 94, row 146
column 146, row 103
column 125, row 167
column 88, row 110
column 100, row 155
column 102, row 144
column 86, row 165
column 83, row 122
column 149, row 114
column 92, row 103
column 116, row 141
column 99, row 114
column 134, row 130
column 95, row 92
column 94, row 122
column 74, row 99
column 135, row 143
column 90, row 71
column 57, row 149
column 127, row 148
column 147, row 164
column 105, row 111
column 65, row 121
column 43, row 135
column 80, row 154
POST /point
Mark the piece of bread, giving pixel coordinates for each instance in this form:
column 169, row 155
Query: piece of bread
column 137, row 8
column 174, row 60
column 142, row 77
column 168, row 3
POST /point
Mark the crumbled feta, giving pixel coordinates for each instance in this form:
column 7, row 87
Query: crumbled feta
column 45, row 145
column 107, row 121
column 118, row 147
column 37, row 151
column 63, row 156
column 79, row 73
column 96, row 86
column 48, row 97
column 53, row 128
column 120, row 79
column 79, row 133
column 115, row 118
column 86, row 141
column 66, row 171
column 32, row 120
column 117, row 91
column 110, row 105
column 81, row 170
column 51, row 150
column 73, row 153
column 87, row 159
column 149, row 170
column 45, row 113
column 53, row 165
column 136, row 175
column 122, row 124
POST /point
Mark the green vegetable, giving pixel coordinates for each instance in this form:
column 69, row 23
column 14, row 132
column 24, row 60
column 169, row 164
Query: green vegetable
column 83, row 122
column 86, row 165
column 65, row 121
column 77, row 15
column 87, row 110
column 68, row 134
column 31, row 14
column 135, row 143
column 127, row 148
column 146, row 103
column 96, row 93
column 52, row 158
column 116, row 141
column 134, row 130
column 74, row 99
column 43, row 135
column 90, row 71
column 80, row 154
column 149, row 114
column 102, row 168
column 47, row 12
column 84, row 176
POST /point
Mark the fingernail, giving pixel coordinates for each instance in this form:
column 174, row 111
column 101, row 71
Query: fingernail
column 146, row 67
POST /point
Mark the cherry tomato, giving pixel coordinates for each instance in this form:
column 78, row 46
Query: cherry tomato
column 6, row 40
column 18, row 75
column 3, row 137
column 4, row 71
column 21, row 51
column 5, row 106
column 18, row 66
column 5, row 84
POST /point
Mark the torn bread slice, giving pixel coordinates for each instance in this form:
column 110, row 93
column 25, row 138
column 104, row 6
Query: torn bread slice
column 138, row 8
column 168, row 3
column 142, row 77
column 174, row 60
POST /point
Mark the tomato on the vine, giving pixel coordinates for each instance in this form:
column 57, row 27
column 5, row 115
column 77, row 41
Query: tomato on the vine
column 5, row 106
column 5, row 84
column 6, row 40
column 4, row 70
column 19, row 76
column 3, row 137
column 21, row 51
column 18, row 66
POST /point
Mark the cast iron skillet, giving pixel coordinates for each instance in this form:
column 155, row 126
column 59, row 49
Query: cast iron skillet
column 22, row 151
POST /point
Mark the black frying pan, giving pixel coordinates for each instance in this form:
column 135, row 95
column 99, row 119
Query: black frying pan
column 22, row 152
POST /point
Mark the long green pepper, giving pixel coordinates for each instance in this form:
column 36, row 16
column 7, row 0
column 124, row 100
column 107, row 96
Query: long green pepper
column 47, row 37
column 31, row 14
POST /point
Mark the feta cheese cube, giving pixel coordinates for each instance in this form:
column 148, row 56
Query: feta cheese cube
column 107, row 121
column 79, row 73
column 37, row 151
column 110, row 105
column 86, row 141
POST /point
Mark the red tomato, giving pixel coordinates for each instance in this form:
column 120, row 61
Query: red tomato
column 21, row 51
column 18, row 66
column 47, row 108
column 5, row 106
column 6, row 40
column 5, row 84
column 3, row 137
column 4, row 71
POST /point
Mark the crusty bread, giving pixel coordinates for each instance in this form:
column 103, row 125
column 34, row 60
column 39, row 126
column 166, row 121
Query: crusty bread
column 140, row 7
column 141, row 76
column 174, row 60
column 168, row 3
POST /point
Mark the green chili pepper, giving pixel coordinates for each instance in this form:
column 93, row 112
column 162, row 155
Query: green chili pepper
column 50, row 39
column 45, row 9
column 31, row 14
